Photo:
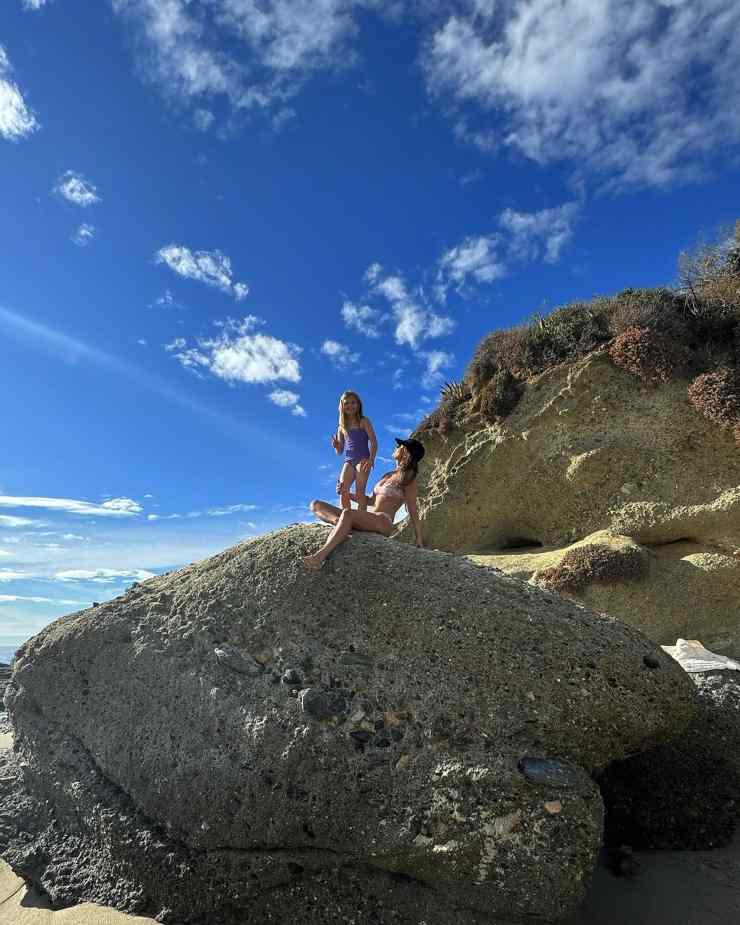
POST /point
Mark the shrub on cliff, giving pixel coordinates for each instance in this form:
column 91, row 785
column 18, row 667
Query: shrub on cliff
column 587, row 564
column 499, row 396
column 651, row 357
column 656, row 334
column 716, row 396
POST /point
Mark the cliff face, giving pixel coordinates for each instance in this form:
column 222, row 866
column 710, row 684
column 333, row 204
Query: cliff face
column 588, row 449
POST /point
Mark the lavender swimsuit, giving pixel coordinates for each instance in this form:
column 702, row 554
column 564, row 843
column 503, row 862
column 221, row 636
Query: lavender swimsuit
column 356, row 446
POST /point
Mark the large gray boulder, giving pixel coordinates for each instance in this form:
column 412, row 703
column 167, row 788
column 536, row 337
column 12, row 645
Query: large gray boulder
column 400, row 737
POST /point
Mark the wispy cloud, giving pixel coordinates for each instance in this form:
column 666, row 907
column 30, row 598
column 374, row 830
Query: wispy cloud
column 16, row 522
column 474, row 259
column 210, row 267
column 522, row 237
column 103, row 575
column 635, row 93
column 62, row 347
column 237, row 355
column 9, row 575
column 339, row 354
column 73, row 187
column 34, row 4
column 116, row 507
column 363, row 319
column 17, row 121
column 15, row 598
column 414, row 320
column 542, row 234
column 255, row 54
column 284, row 398
column 84, row 235
column 435, row 362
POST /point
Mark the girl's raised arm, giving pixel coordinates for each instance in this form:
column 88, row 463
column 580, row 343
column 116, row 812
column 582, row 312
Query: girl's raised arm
column 337, row 441
column 411, row 496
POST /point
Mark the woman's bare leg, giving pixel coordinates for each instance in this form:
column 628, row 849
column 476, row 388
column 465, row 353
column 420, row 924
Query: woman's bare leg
column 348, row 521
column 329, row 513
column 346, row 478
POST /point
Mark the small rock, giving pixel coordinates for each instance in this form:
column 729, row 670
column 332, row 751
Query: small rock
column 359, row 735
column 233, row 659
column 323, row 704
column 291, row 677
column 545, row 771
column 553, row 807
column 651, row 661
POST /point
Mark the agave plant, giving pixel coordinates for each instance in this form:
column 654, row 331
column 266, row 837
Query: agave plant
column 455, row 391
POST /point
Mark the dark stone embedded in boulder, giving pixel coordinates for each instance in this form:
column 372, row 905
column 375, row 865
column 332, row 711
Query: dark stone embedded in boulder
column 155, row 776
column 324, row 704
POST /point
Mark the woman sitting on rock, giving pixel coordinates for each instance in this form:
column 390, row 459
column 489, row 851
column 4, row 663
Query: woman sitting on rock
column 392, row 491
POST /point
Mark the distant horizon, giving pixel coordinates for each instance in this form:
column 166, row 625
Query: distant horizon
column 217, row 222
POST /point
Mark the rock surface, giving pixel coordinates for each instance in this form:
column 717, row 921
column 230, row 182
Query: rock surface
column 685, row 794
column 685, row 589
column 337, row 746
column 590, row 449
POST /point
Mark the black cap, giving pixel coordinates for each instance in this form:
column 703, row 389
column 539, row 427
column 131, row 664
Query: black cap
column 414, row 447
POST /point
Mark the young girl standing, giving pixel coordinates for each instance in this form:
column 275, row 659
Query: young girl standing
column 355, row 438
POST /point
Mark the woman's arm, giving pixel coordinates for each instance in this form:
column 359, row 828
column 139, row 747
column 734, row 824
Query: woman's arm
column 411, row 497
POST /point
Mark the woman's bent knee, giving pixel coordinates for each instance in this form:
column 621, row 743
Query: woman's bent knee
column 314, row 505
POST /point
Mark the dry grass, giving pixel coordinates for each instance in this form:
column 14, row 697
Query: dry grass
column 587, row 564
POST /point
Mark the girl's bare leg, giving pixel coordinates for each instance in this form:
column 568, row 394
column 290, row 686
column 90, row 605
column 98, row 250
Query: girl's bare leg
column 329, row 513
column 346, row 478
column 348, row 521
column 360, row 486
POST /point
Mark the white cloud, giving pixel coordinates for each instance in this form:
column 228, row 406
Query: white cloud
column 14, row 522
column 16, row 119
column 635, row 91
column 73, row 187
column 414, row 321
column 257, row 54
column 103, row 575
column 165, row 299
column 362, row 318
column 539, row 234
column 34, row 4
column 177, row 344
column 239, row 356
column 339, row 354
column 528, row 236
column 125, row 505
column 8, row 575
column 436, row 361
column 231, row 509
column 203, row 119
column 284, row 398
column 116, row 507
column 397, row 432
column 475, row 259
column 84, row 235
column 210, row 267
column 4, row 552
column 142, row 341
column 22, row 598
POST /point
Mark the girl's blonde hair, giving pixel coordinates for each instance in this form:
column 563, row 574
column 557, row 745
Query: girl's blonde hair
column 343, row 417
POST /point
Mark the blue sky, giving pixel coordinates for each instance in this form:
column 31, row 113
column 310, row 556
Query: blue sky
column 219, row 214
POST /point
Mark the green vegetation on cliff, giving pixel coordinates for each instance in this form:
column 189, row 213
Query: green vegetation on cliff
column 689, row 331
